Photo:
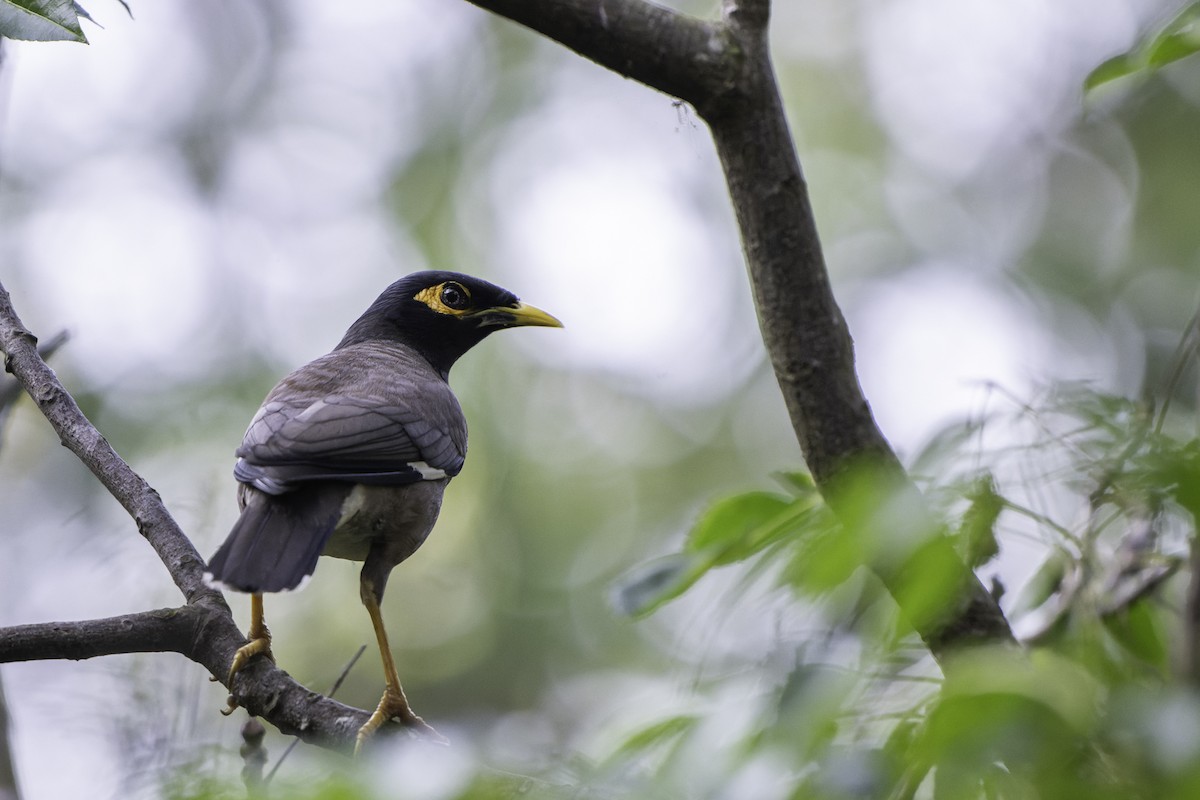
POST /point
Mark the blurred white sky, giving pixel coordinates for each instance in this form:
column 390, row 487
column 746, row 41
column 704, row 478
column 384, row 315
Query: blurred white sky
column 600, row 202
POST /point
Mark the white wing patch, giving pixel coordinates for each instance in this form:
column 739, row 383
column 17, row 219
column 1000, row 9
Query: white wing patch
column 427, row 472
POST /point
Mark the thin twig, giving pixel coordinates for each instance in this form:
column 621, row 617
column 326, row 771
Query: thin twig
column 1189, row 342
column 346, row 671
column 1042, row 519
column 332, row 691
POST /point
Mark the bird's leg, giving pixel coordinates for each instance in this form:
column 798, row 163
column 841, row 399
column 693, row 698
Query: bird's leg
column 259, row 644
column 260, row 639
column 393, row 703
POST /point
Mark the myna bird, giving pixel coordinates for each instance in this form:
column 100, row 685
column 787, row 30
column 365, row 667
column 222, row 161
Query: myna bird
column 349, row 455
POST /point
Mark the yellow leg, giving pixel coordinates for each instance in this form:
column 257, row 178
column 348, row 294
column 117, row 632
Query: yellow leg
column 393, row 703
column 259, row 644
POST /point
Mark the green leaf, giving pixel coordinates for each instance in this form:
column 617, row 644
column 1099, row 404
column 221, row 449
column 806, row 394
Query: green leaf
column 827, row 560
column 737, row 527
column 1059, row 683
column 929, row 582
column 882, row 523
column 1033, row 712
column 1172, row 47
column 1178, row 39
column 732, row 530
column 1175, row 470
column 656, row 734
column 654, row 583
column 41, row 21
column 1043, row 585
column 977, row 532
column 1113, row 69
column 1140, row 631
column 798, row 483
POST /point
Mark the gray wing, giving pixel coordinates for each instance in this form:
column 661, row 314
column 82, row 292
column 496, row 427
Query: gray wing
column 362, row 419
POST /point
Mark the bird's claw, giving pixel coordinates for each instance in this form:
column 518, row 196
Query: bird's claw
column 257, row 646
column 394, row 705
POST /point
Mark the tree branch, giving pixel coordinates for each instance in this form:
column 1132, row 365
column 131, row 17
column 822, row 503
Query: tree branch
column 208, row 637
column 673, row 52
column 204, row 629
column 724, row 70
column 11, row 389
column 164, row 630
column 77, row 434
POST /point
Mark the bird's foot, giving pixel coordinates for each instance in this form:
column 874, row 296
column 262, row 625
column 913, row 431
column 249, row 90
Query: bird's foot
column 394, row 705
column 257, row 646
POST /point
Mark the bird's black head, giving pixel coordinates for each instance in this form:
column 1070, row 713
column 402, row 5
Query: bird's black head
column 442, row 315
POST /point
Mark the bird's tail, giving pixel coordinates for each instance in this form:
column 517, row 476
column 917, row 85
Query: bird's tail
column 275, row 543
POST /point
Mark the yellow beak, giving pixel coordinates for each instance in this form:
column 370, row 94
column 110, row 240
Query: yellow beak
column 516, row 316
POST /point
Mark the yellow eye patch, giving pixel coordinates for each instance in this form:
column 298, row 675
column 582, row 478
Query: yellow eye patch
column 450, row 297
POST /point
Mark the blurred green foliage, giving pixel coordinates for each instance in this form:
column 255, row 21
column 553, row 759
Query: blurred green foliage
column 1081, row 712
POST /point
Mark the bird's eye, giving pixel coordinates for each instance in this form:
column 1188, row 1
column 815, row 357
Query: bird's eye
column 455, row 296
